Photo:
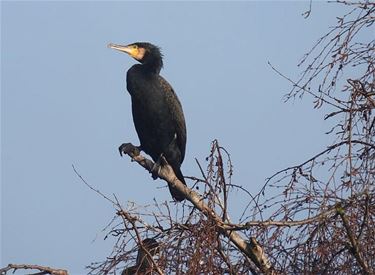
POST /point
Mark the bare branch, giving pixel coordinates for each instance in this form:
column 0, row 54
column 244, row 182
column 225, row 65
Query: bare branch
column 354, row 244
column 42, row 269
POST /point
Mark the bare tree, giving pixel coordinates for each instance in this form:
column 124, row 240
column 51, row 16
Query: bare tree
column 197, row 239
column 334, row 190
column 322, row 218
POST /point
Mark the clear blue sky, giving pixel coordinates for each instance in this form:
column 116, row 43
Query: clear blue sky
column 64, row 102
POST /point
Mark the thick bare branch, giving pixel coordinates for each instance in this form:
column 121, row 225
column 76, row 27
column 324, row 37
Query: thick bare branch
column 42, row 269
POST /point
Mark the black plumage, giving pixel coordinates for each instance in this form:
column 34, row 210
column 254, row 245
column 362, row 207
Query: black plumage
column 144, row 264
column 157, row 112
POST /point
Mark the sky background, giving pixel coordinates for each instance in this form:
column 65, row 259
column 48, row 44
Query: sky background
column 64, row 103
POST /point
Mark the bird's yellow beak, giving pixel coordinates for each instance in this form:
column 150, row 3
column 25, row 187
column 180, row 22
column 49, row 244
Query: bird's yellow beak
column 131, row 50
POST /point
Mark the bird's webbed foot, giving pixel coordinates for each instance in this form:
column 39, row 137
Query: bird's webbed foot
column 129, row 149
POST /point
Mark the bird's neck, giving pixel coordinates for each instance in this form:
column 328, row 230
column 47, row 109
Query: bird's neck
column 153, row 66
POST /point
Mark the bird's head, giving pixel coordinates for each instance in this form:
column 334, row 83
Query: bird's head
column 143, row 52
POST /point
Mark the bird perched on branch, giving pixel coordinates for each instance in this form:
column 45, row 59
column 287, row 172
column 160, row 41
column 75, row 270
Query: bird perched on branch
column 157, row 112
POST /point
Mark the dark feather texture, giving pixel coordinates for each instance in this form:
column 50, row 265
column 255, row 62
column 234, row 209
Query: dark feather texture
column 157, row 112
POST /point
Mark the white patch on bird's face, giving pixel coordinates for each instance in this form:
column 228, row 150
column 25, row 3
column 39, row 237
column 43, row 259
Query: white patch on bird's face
column 138, row 53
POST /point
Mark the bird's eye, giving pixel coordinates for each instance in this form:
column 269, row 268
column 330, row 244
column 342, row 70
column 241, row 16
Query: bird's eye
column 135, row 46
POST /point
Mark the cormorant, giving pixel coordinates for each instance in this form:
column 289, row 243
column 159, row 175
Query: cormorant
column 144, row 264
column 157, row 112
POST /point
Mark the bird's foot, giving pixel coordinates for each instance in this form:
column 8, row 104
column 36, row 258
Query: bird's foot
column 155, row 170
column 129, row 149
column 157, row 166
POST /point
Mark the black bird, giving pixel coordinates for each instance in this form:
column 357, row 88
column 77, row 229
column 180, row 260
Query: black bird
column 144, row 264
column 157, row 112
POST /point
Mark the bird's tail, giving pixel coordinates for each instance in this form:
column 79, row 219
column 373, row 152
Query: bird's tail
column 177, row 195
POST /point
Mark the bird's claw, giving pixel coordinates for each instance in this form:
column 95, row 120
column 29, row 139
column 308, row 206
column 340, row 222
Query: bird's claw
column 157, row 166
column 155, row 170
column 128, row 149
